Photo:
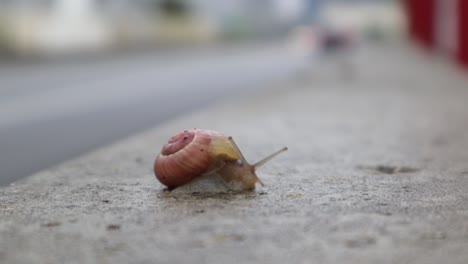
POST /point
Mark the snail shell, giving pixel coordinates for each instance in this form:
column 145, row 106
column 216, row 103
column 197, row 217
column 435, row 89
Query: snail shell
column 197, row 153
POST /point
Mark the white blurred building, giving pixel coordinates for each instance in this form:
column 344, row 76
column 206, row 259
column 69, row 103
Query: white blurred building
column 38, row 27
column 361, row 16
column 45, row 27
column 49, row 27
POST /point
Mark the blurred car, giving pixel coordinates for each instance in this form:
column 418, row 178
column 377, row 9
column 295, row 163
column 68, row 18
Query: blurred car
column 332, row 40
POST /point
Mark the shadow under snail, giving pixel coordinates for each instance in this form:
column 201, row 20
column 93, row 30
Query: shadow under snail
column 197, row 154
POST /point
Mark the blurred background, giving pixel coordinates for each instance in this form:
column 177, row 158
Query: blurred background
column 79, row 74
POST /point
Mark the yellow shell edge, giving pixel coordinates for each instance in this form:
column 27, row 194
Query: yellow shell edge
column 222, row 148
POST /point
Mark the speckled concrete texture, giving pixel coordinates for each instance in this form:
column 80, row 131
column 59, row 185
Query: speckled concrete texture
column 376, row 172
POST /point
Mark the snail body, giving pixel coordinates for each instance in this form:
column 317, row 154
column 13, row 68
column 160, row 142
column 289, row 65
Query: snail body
column 196, row 154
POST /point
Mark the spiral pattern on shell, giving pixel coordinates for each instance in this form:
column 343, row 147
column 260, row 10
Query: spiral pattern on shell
column 190, row 154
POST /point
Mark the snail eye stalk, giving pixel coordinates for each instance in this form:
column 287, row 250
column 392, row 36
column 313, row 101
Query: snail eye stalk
column 265, row 160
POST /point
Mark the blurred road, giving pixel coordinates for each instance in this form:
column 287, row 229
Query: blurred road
column 52, row 112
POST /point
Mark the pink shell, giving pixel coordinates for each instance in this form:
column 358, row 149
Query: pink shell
column 185, row 157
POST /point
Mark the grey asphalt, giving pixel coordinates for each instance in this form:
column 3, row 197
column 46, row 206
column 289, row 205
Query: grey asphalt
column 53, row 111
column 376, row 172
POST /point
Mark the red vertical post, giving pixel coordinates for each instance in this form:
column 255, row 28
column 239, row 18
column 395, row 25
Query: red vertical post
column 417, row 19
column 411, row 18
column 415, row 5
column 463, row 32
column 427, row 22
column 421, row 21
column 421, row 18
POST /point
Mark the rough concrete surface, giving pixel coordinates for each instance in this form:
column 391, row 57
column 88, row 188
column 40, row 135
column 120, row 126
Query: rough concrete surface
column 376, row 172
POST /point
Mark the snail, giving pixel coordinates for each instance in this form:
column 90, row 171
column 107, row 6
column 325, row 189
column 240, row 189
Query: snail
column 205, row 155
